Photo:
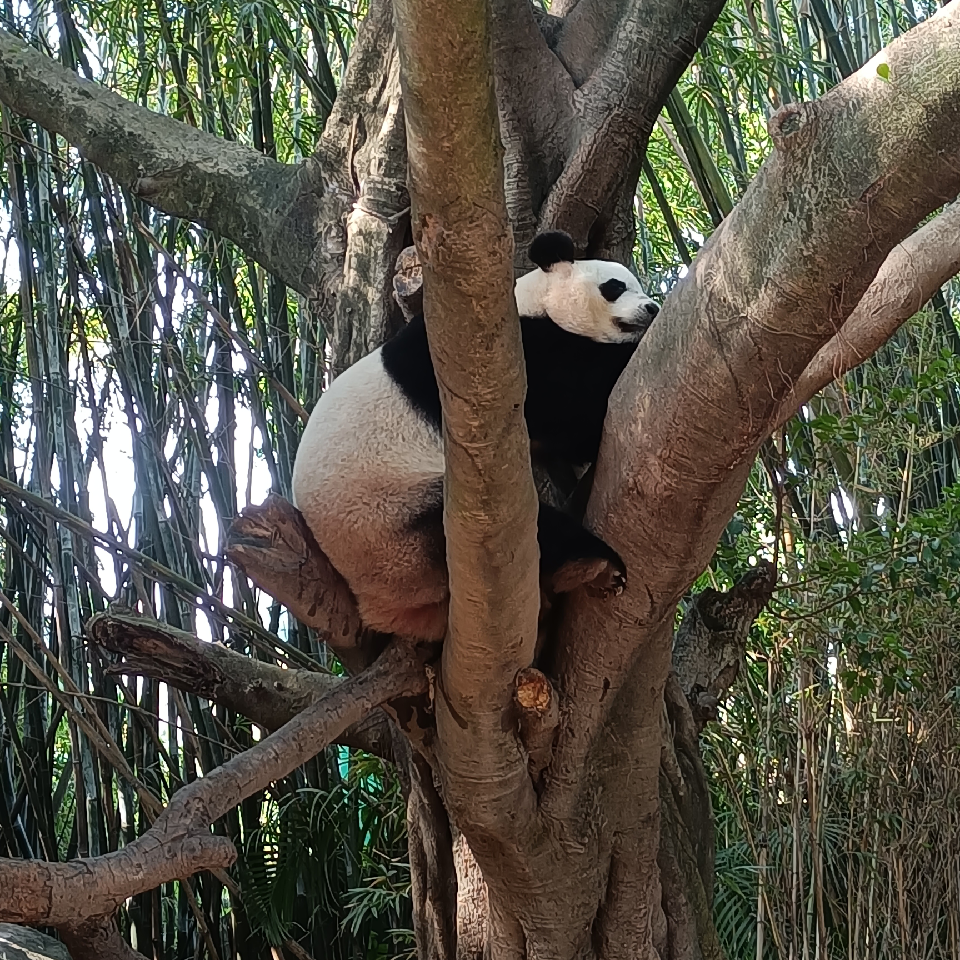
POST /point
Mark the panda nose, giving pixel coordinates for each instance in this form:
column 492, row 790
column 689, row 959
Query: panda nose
column 652, row 309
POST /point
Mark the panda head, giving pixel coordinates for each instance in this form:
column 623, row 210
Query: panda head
column 598, row 299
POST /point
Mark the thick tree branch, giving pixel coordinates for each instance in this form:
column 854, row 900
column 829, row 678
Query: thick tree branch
column 180, row 843
column 617, row 107
column 851, row 176
column 263, row 692
column 268, row 208
column 97, row 939
column 909, row 277
column 536, row 130
column 490, row 504
column 365, row 313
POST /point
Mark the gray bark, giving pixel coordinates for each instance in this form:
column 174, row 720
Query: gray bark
column 22, row 943
column 609, row 856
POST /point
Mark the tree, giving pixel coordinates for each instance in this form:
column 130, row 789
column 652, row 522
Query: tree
column 586, row 818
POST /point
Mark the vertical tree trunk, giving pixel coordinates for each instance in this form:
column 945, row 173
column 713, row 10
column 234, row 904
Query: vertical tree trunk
column 667, row 903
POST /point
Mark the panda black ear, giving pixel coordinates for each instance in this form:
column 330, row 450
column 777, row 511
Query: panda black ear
column 551, row 247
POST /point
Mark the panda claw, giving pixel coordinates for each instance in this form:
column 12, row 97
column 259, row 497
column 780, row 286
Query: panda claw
column 610, row 583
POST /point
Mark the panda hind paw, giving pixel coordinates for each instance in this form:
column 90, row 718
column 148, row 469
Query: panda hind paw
column 602, row 577
column 609, row 583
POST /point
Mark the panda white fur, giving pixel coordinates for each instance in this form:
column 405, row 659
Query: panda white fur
column 368, row 476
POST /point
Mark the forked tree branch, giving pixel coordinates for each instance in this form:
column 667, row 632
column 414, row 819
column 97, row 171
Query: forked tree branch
column 909, row 277
column 490, row 503
column 773, row 284
column 617, row 108
column 180, row 843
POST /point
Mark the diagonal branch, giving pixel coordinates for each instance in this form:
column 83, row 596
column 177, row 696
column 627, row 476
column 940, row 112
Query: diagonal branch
column 180, row 843
column 265, row 693
column 266, row 208
column 909, row 277
column 618, row 106
column 490, row 504
column 773, row 284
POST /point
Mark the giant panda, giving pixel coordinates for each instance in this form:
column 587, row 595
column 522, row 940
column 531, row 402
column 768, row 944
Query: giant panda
column 368, row 475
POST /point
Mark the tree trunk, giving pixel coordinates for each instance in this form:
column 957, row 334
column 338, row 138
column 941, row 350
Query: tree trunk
column 557, row 808
column 665, row 898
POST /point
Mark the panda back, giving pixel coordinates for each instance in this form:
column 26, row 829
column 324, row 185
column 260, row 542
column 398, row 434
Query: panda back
column 365, row 441
column 406, row 360
column 569, row 381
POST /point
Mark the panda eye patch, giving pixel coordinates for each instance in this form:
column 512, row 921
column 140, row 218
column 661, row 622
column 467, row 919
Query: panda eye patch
column 611, row 289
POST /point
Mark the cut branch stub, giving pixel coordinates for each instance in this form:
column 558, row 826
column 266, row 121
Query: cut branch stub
column 708, row 650
column 408, row 283
column 273, row 546
column 538, row 716
column 710, row 643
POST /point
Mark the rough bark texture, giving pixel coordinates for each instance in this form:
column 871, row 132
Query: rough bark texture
column 364, row 142
column 490, row 503
column 22, row 943
column 646, row 47
column 608, row 854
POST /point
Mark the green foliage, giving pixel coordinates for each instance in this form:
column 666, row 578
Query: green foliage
column 834, row 767
column 333, row 861
column 145, row 368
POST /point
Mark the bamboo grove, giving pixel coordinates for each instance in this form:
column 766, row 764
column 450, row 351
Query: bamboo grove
column 153, row 382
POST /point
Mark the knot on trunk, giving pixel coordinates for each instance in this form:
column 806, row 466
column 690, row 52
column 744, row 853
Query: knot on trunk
column 793, row 125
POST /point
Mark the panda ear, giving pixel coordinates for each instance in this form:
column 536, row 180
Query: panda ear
column 550, row 248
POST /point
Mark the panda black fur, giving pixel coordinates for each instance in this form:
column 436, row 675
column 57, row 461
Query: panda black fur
column 368, row 476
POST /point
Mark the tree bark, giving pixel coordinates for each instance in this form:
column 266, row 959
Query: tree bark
column 607, row 852
column 490, row 503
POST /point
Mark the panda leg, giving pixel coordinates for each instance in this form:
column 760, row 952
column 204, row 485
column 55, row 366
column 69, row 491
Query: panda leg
column 571, row 556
